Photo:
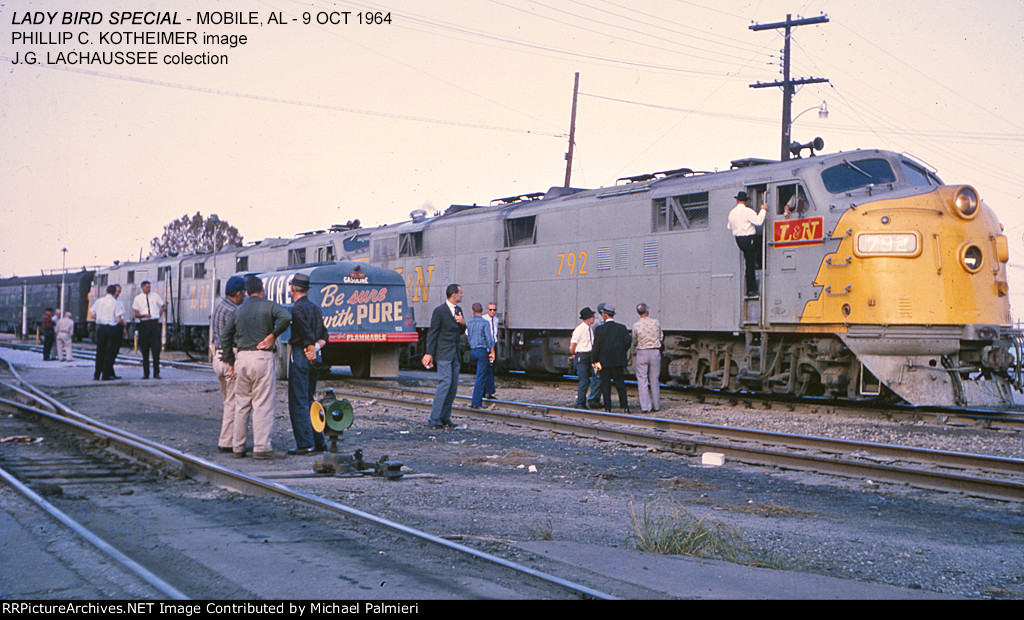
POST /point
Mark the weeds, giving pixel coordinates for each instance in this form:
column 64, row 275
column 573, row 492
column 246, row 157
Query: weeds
column 542, row 531
column 678, row 532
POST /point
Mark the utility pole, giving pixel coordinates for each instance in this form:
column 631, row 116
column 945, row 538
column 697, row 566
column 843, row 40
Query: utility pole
column 572, row 130
column 788, row 84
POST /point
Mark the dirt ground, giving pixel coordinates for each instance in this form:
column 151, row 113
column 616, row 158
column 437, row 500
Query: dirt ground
column 487, row 484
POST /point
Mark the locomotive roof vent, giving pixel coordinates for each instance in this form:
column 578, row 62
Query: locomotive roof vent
column 418, row 215
column 452, row 210
column 558, row 191
column 662, row 174
column 518, row 198
column 349, row 225
column 747, row 162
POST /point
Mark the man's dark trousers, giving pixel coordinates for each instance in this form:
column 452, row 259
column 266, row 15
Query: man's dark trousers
column 301, row 389
column 149, row 342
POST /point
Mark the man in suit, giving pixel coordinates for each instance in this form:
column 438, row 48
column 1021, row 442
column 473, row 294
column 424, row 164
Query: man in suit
column 610, row 354
column 446, row 327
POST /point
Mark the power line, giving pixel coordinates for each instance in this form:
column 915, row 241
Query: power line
column 295, row 102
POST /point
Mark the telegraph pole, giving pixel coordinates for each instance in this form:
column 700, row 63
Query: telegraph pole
column 788, row 84
column 572, row 130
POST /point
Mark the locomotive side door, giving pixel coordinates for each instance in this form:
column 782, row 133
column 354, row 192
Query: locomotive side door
column 794, row 237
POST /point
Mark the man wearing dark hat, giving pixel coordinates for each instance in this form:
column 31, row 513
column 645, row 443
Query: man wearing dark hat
column 611, row 354
column 742, row 223
column 581, row 347
column 234, row 295
column 308, row 336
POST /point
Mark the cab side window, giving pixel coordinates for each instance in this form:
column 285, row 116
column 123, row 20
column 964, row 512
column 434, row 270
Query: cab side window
column 792, row 201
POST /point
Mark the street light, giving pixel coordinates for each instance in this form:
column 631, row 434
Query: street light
column 822, row 114
column 63, row 275
column 815, row 145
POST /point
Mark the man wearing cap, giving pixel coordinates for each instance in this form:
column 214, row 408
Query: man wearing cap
column 595, row 399
column 247, row 346
column 446, row 327
column 149, row 307
column 742, row 223
column 309, row 335
column 581, row 345
column 611, row 354
column 234, row 295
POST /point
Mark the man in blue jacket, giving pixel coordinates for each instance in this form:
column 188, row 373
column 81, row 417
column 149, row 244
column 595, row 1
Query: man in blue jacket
column 481, row 347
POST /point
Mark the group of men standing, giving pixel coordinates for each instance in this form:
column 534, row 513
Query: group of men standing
column 111, row 324
column 600, row 353
column 447, row 324
column 246, row 326
column 57, row 331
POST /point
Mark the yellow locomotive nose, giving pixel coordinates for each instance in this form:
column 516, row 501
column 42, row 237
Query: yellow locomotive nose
column 922, row 297
column 937, row 258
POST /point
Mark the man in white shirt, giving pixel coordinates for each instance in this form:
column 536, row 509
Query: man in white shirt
column 109, row 313
column 492, row 321
column 742, row 223
column 581, row 347
column 149, row 307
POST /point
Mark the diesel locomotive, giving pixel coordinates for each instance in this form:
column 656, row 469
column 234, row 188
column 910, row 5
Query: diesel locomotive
column 877, row 280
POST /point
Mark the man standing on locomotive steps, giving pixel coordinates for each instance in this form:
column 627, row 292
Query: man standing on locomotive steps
column 446, row 327
column 309, row 335
column 149, row 307
column 252, row 330
column 742, row 222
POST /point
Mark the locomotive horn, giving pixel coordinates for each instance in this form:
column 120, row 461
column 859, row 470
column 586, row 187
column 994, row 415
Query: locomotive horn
column 814, row 145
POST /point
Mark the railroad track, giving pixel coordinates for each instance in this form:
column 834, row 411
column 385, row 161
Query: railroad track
column 122, row 358
column 975, row 475
column 27, row 401
column 1012, row 421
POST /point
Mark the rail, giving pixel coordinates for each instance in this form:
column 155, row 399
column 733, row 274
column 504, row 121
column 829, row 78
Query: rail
column 996, row 478
column 183, row 464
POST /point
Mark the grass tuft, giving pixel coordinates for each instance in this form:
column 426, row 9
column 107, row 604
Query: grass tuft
column 677, row 532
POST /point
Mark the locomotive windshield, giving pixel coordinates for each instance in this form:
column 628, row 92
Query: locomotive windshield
column 861, row 173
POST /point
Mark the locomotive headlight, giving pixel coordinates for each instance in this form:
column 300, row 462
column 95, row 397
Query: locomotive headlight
column 966, row 202
column 892, row 244
column 971, row 258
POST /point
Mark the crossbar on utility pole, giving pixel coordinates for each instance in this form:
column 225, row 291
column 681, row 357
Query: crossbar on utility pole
column 788, row 84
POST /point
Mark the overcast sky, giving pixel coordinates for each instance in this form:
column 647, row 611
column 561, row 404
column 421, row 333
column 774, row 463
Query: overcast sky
column 464, row 101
